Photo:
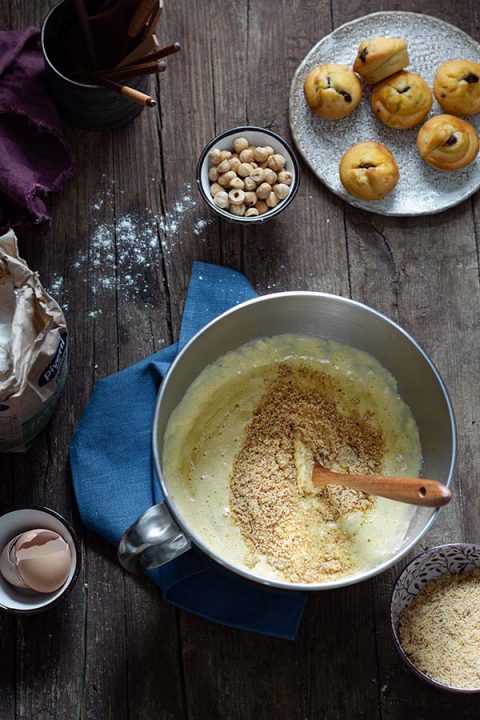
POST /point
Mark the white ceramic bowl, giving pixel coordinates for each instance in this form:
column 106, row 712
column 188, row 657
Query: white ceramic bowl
column 259, row 137
column 432, row 563
column 17, row 521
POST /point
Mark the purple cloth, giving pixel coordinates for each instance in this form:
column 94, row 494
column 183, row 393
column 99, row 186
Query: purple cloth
column 34, row 157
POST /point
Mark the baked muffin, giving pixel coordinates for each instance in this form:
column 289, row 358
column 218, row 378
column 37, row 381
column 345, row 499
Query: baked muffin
column 457, row 87
column 447, row 142
column 332, row 91
column 369, row 171
column 380, row 57
column 402, row 100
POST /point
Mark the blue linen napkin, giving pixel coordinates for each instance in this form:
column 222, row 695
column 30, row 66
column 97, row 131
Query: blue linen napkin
column 114, row 479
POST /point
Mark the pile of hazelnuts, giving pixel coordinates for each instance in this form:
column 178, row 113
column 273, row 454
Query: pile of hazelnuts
column 249, row 180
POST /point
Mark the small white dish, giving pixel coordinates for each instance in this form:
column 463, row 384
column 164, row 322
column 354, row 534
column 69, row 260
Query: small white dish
column 259, row 137
column 13, row 523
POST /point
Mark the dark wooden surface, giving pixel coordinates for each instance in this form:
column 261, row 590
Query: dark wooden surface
column 114, row 648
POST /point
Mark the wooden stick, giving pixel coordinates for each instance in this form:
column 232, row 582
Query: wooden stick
column 149, row 45
column 130, row 71
column 125, row 90
column 144, row 9
column 84, row 21
column 154, row 18
column 417, row 491
column 164, row 52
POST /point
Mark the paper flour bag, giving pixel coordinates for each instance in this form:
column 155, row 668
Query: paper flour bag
column 33, row 350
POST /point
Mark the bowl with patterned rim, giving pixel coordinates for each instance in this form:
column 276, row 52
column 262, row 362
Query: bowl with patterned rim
column 454, row 558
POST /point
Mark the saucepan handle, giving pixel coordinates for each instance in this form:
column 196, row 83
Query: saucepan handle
column 153, row 540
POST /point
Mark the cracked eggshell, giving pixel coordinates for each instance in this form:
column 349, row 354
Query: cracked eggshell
column 38, row 560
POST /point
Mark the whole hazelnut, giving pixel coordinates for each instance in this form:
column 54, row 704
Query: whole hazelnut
column 223, row 166
column 246, row 156
column 281, row 190
column 270, row 176
column 240, row 144
column 221, row 200
column 250, row 184
column 244, row 169
column 272, row 200
column 215, row 188
column 250, row 198
column 226, row 178
column 276, row 162
column 225, row 154
column 285, row 177
column 237, row 209
column 263, row 191
column 214, row 156
column 261, row 154
column 262, row 207
column 213, row 174
column 237, row 182
column 258, row 175
column 234, row 162
column 251, row 212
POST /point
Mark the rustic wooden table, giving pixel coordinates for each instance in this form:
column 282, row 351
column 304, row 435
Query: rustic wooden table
column 114, row 648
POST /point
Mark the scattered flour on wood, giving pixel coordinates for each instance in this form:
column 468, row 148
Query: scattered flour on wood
column 124, row 254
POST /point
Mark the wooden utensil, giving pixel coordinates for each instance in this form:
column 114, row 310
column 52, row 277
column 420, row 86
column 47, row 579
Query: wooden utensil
column 131, row 71
column 130, row 93
column 146, row 47
column 416, row 491
column 142, row 14
column 163, row 52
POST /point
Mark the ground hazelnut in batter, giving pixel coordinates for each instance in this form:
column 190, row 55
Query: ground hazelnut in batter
column 233, row 458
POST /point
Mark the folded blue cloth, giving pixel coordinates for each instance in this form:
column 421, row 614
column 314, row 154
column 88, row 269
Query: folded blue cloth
column 114, row 479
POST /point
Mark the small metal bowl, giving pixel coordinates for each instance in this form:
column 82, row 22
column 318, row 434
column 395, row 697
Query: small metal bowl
column 14, row 522
column 454, row 558
column 259, row 137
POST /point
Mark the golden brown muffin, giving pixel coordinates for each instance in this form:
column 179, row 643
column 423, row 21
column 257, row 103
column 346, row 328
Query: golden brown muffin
column 402, row 100
column 457, row 87
column 332, row 91
column 369, row 171
column 380, row 57
column 447, row 142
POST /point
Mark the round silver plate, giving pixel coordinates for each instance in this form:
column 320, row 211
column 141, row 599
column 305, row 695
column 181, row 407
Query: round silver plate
column 421, row 189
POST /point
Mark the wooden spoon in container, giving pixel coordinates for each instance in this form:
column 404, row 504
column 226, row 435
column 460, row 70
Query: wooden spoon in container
column 417, row 491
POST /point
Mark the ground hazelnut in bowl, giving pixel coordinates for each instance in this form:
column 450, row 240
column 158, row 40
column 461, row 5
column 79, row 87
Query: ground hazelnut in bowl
column 435, row 617
column 248, row 174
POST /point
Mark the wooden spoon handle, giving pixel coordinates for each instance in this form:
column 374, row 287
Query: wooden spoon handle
column 417, row 491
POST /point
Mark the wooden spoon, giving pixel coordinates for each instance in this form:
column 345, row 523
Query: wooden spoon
column 417, row 491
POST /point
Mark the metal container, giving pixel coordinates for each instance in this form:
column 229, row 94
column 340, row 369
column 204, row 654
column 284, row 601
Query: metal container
column 91, row 107
column 162, row 533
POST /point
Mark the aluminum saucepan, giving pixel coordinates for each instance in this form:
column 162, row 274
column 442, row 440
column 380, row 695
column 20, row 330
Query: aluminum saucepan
column 162, row 532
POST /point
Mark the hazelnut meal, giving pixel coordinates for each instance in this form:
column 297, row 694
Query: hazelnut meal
column 233, row 453
column 440, row 630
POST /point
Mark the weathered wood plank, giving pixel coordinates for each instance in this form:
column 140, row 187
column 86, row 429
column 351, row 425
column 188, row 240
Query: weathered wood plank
column 423, row 273
column 154, row 683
